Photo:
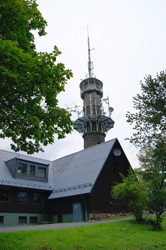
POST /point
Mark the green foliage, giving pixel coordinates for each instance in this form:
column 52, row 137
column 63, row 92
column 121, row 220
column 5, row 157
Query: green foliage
column 153, row 171
column 150, row 125
column 29, row 81
column 131, row 193
column 150, row 118
column 18, row 19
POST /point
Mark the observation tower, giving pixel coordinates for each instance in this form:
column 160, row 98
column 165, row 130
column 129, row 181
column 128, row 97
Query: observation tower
column 94, row 124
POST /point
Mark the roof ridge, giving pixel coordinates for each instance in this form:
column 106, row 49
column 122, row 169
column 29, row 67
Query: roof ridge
column 97, row 145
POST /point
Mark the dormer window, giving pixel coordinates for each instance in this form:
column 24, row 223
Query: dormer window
column 32, row 171
column 28, row 170
column 41, row 172
column 22, row 169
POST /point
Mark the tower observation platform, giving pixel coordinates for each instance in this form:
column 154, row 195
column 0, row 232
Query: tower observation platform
column 93, row 125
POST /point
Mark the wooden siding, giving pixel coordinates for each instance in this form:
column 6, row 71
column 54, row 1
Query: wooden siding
column 65, row 205
column 13, row 206
column 99, row 199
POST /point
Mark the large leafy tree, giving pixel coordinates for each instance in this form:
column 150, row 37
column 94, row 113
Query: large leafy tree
column 29, row 81
column 153, row 171
column 149, row 120
column 149, row 123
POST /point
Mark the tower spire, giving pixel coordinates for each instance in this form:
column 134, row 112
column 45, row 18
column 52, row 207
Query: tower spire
column 90, row 64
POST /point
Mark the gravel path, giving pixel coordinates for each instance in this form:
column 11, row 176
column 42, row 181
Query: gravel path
column 55, row 226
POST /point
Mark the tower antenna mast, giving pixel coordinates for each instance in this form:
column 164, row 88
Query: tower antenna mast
column 90, row 64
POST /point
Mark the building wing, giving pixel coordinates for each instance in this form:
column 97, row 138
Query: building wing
column 8, row 161
column 77, row 173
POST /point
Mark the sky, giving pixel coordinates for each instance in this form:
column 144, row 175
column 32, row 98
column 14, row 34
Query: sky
column 129, row 42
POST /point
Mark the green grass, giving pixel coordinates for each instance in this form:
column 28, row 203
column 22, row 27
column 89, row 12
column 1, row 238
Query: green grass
column 115, row 235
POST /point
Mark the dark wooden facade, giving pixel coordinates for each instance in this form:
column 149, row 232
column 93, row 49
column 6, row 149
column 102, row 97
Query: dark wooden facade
column 15, row 206
column 98, row 201
column 100, row 197
column 65, row 205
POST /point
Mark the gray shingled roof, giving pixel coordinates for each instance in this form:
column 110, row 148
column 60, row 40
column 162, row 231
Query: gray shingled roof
column 7, row 179
column 77, row 173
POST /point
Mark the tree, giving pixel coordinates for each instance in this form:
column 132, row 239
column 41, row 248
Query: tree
column 29, row 81
column 131, row 193
column 150, row 118
column 150, row 133
column 153, row 171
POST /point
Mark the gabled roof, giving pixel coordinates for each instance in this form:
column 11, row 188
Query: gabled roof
column 7, row 179
column 77, row 173
column 73, row 174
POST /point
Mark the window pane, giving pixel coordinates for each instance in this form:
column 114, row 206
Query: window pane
column 32, row 171
column 112, row 195
column 4, row 195
column 22, row 197
column 41, row 172
column 33, row 219
column 90, row 94
column 37, row 198
column 22, row 168
column 1, row 219
column 22, row 219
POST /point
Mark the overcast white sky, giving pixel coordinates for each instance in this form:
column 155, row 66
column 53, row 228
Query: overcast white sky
column 130, row 42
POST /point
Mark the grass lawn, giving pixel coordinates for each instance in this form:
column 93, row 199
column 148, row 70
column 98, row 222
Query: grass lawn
column 115, row 235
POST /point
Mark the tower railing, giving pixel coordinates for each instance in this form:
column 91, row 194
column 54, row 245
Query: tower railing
column 93, row 75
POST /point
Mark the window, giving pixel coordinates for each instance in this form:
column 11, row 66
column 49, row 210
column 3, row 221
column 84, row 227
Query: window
column 22, row 168
column 22, row 197
column 41, row 172
column 112, row 195
column 98, row 95
column 22, row 219
column 37, row 198
column 4, row 195
column 33, row 219
column 111, row 192
column 98, row 86
column 1, row 219
column 32, row 171
column 90, row 94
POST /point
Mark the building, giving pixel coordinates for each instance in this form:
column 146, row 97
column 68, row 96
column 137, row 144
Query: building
column 25, row 185
column 71, row 188
column 74, row 187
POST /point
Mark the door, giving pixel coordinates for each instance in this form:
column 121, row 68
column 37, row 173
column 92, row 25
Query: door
column 77, row 212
